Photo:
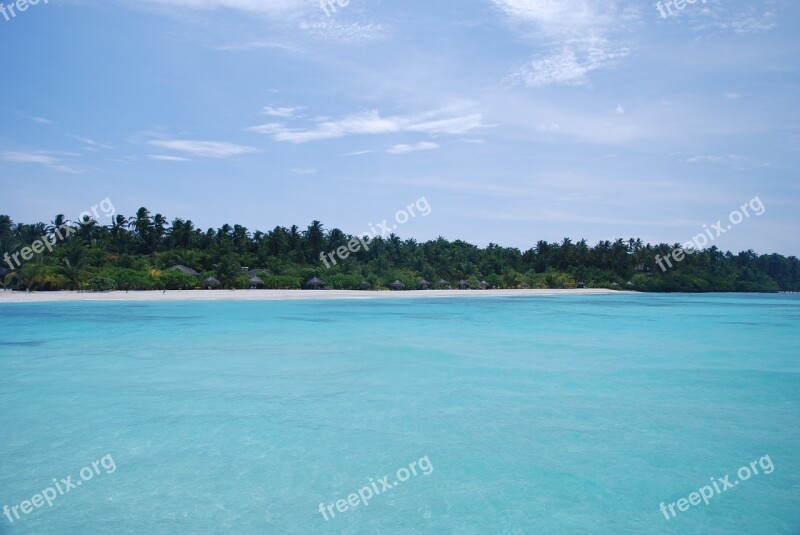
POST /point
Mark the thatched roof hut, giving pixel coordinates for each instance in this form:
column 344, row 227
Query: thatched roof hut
column 443, row 284
column 255, row 282
column 397, row 286
column 485, row 285
column 630, row 284
column 462, row 284
column 423, row 284
column 365, row 285
column 581, row 285
column 315, row 284
column 183, row 269
column 211, row 282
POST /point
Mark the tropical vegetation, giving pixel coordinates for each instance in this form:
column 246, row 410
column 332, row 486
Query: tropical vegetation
column 136, row 253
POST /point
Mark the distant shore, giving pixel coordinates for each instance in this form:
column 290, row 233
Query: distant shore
column 276, row 295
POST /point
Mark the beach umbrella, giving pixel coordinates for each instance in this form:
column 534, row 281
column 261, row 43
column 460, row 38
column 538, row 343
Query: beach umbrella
column 444, row 284
column 485, row 285
column 211, row 282
column 397, row 286
column 255, row 282
column 423, row 284
column 462, row 284
column 184, row 269
column 315, row 284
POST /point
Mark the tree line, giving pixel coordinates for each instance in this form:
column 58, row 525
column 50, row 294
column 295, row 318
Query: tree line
column 135, row 253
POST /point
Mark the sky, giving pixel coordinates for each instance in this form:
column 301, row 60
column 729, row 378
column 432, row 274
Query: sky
column 516, row 120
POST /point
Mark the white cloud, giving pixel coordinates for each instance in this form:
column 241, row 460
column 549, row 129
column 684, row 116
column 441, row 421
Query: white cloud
column 358, row 153
column 47, row 159
column 42, row 120
column 749, row 24
column 578, row 34
column 569, row 66
column 556, row 16
column 266, row 7
column 304, row 170
column 620, row 110
column 713, row 159
column 162, row 158
column 353, row 32
column 732, row 95
column 92, row 145
column 404, row 149
column 209, row 149
column 451, row 119
column 286, row 112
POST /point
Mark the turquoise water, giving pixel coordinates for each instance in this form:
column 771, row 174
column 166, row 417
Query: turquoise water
column 563, row 414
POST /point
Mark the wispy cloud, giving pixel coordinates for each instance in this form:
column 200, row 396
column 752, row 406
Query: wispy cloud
column 42, row 120
column 404, row 149
column 352, row 32
column 713, row 159
column 732, row 95
column 304, row 170
column 162, row 158
column 208, row 149
column 578, row 34
column 452, row 119
column 265, row 7
column 568, row 66
column 51, row 160
column 286, row 112
column 90, row 144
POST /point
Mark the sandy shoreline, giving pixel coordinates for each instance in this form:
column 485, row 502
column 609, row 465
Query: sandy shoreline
column 275, row 295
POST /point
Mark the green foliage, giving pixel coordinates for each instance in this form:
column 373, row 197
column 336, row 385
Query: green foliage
column 282, row 282
column 130, row 279
column 176, row 280
column 132, row 250
column 102, row 284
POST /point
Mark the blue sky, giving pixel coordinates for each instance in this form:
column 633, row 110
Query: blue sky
column 518, row 120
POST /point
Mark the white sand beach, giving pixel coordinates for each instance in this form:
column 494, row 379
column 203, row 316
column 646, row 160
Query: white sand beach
column 277, row 295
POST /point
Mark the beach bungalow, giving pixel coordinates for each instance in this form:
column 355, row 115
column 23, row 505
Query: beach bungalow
column 423, row 284
column 315, row 284
column 485, row 285
column 255, row 283
column 210, row 283
column 183, row 269
column 443, row 284
column 462, row 285
column 397, row 286
column 365, row 285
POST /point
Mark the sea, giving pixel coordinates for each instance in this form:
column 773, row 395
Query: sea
column 566, row 414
